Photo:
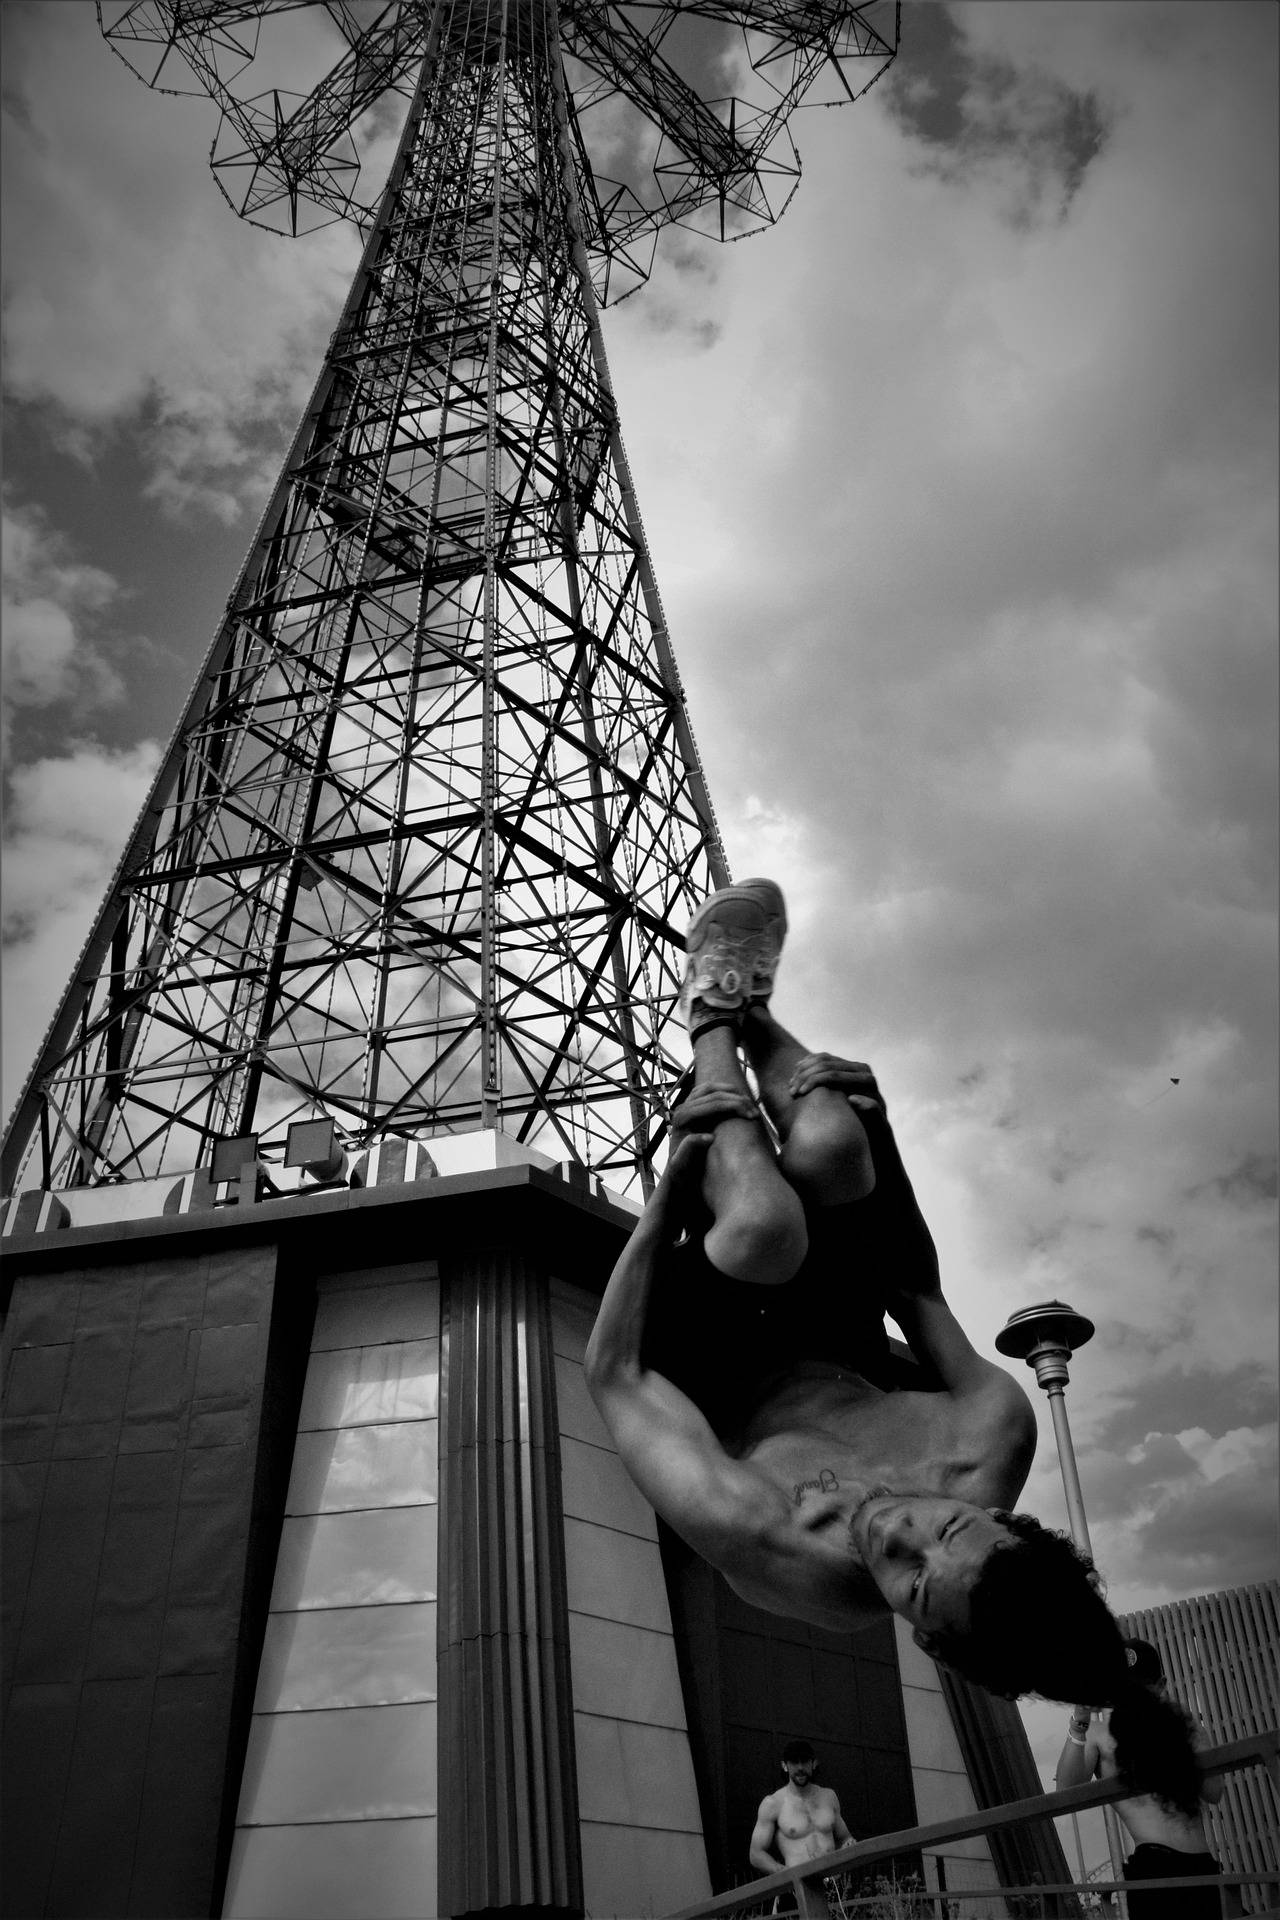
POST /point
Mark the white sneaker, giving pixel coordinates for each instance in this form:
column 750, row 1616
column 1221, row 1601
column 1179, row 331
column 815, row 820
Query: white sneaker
column 734, row 943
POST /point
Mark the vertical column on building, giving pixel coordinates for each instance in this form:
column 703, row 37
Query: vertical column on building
column 508, row 1808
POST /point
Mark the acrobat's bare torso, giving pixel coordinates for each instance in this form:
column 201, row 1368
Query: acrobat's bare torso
column 826, row 1442
column 826, row 1419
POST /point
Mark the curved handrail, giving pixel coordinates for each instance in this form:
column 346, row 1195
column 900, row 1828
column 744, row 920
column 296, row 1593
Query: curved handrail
column 804, row 1882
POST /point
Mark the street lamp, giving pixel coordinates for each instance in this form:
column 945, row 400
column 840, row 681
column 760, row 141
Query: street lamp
column 1046, row 1337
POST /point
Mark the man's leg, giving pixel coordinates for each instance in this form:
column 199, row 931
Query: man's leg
column 758, row 1228
column 825, row 1153
column 733, row 942
column 866, row 1233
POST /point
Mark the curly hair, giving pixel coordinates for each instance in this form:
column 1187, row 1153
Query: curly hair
column 1038, row 1624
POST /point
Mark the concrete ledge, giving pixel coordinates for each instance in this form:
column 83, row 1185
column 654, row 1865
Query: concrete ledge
column 328, row 1230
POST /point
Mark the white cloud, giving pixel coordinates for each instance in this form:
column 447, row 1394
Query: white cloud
column 1230, row 1453
column 66, row 822
column 39, row 641
column 50, row 605
column 135, row 297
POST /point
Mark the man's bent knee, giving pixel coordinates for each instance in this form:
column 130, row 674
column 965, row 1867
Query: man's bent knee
column 764, row 1247
column 829, row 1167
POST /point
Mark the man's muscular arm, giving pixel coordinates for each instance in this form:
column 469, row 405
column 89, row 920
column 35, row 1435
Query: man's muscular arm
column 1079, row 1760
column 721, row 1506
column 1211, row 1784
column 763, row 1835
column 843, row 1837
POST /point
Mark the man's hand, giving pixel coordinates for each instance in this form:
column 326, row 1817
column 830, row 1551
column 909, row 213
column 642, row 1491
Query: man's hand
column 706, row 1107
column 675, row 1199
column 853, row 1078
column 676, row 1202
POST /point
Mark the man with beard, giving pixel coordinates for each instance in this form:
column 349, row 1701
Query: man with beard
column 802, row 1820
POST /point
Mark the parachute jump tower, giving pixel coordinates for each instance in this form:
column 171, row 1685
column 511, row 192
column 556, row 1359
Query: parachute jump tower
column 422, row 847
column 330, row 1596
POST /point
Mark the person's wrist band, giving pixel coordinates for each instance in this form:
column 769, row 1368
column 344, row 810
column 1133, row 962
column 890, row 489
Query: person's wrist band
column 1076, row 1739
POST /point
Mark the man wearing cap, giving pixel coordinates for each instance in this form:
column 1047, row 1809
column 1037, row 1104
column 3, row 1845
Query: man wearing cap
column 802, row 1820
column 1169, row 1843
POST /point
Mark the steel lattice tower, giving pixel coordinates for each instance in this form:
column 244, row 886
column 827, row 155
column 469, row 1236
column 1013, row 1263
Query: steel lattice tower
column 420, row 852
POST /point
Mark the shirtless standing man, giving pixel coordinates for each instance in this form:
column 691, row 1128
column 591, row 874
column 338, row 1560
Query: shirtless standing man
column 1170, row 1840
column 740, row 1362
column 801, row 1819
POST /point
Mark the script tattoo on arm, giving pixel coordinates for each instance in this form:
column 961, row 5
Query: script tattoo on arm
column 826, row 1482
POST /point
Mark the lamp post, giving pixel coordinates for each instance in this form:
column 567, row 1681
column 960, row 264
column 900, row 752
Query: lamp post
column 1046, row 1337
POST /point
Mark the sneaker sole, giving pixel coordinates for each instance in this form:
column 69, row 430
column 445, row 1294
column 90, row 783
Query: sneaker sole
column 766, row 896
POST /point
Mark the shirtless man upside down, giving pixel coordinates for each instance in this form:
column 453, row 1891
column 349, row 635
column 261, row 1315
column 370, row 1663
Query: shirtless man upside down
column 741, row 1364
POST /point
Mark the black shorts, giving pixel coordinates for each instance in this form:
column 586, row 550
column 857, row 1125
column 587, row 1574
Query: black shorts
column 723, row 1342
column 1150, row 1861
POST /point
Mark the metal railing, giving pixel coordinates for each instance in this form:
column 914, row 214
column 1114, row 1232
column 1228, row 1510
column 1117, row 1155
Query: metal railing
column 822, row 1889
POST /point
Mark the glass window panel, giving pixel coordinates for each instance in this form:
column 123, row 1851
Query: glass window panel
column 336, row 1872
column 357, row 1559
column 349, row 1763
column 595, row 1486
column 614, row 1575
column 348, row 1657
column 355, row 1386
column 355, row 1316
column 347, row 1467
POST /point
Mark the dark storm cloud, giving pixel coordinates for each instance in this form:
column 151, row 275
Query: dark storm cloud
column 1190, row 1537
column 125, row 313
column 1187, row 1396
column 1254, row 1178
column 967, row 109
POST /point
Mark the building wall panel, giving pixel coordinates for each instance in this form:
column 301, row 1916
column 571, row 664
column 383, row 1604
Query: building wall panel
column 641, row 1828
column 337, row 1806
column 942, row 1786
column 134, row 1395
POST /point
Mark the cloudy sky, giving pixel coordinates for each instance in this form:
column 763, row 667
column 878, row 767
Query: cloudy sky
column 960, row 485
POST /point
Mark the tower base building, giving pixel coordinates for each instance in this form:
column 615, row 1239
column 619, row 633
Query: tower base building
column 327, row 1594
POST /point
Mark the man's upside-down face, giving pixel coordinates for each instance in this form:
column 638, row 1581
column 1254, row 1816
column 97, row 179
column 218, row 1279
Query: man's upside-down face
column 925, row 1552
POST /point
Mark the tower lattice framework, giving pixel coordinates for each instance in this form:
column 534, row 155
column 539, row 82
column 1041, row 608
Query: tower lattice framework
column 421, row 850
